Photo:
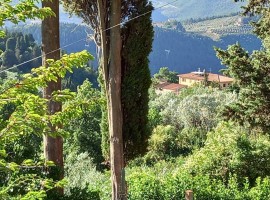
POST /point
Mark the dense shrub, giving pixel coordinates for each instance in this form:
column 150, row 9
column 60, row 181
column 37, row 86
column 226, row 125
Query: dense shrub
column 83, row 177
column 180, row 121
column 165, row 183
column 230, row 150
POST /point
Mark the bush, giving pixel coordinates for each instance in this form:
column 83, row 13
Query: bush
column 165, row 181
column 83, row 177
column 166, row 143
column 230, row 150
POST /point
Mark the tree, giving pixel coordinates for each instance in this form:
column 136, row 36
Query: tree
column 107, row 36
column 229, row 149
column 101, row 15
column 137, row 36
column 30, row 117
column 30, row 113
column 53, row 146
column 165, row 74
column 85, row 129
column 254, row 6
column 11, row 44
column 251, row 74
column 9, row 58
column 25, row 9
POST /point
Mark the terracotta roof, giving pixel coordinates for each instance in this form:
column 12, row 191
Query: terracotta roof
column 211, row 77
column 161, row 85
column 173, row 87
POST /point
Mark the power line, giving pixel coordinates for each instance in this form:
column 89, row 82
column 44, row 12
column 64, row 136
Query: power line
column 15, row 66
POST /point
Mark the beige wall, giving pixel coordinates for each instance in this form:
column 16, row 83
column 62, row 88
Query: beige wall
column 188, row 82
column 224, row 85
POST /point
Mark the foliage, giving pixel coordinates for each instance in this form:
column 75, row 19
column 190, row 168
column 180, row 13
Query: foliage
column 229, row 150
column 22, row 49
column 90, row 180
column 181, row 121
column 30, row 117
column 201, row 111
column 168, row 181
column 84, row 129
column 78, row 76
column 197, row 107
column 251, row 73
column 26, row 9
column 162, row 143
column 164, row 75
column 136, row 46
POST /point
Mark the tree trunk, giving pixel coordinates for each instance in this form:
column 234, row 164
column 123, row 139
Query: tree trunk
column 53, row 147
column 114, row 103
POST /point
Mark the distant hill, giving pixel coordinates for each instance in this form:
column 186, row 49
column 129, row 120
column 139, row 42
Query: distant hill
column 179, row 51
column 181, row 9
column 186, row 9
column 213, row 27
column 184, row 52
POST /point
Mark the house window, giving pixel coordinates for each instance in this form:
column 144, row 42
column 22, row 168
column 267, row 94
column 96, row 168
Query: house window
column 183, row 80
column 224, row 85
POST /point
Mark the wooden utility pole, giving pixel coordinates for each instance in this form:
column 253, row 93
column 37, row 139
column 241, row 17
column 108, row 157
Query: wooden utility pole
column 53, row 147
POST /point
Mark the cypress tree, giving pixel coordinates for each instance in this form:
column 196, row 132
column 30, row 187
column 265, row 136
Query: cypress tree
column 136, row 79
column 11, row 44
column 8, row 58
column 137, row 36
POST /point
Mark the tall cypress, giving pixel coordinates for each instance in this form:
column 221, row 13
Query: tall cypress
column 137, row 37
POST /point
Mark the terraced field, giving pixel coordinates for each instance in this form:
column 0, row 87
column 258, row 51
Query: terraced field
column 219, row 27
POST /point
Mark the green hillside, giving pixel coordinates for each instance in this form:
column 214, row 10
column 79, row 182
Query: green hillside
column 213, row 27
column 183, row 9
column 180, row 51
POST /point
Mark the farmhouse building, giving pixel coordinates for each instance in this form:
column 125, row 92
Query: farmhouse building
column 189, row 79
column 200, row 77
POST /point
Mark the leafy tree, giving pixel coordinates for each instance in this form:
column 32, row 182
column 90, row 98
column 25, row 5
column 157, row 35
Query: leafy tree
column 251, row 74
column 180, row 27
column 102, row 15
column 28, row 117
column 84, row 130
column 165, row 75
column 230, row 150
column 28, row 185
column 195, row 107
column 25, row 9
column 53, row 146
column 77, row 78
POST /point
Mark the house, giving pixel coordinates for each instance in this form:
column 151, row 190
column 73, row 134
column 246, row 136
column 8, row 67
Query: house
column 166, row 87
column 189, row 79
column 200, row 77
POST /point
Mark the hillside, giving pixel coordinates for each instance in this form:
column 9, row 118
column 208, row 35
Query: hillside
column 180, row 51
column 213, row 27
column 182, row 10
column 185, row 52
